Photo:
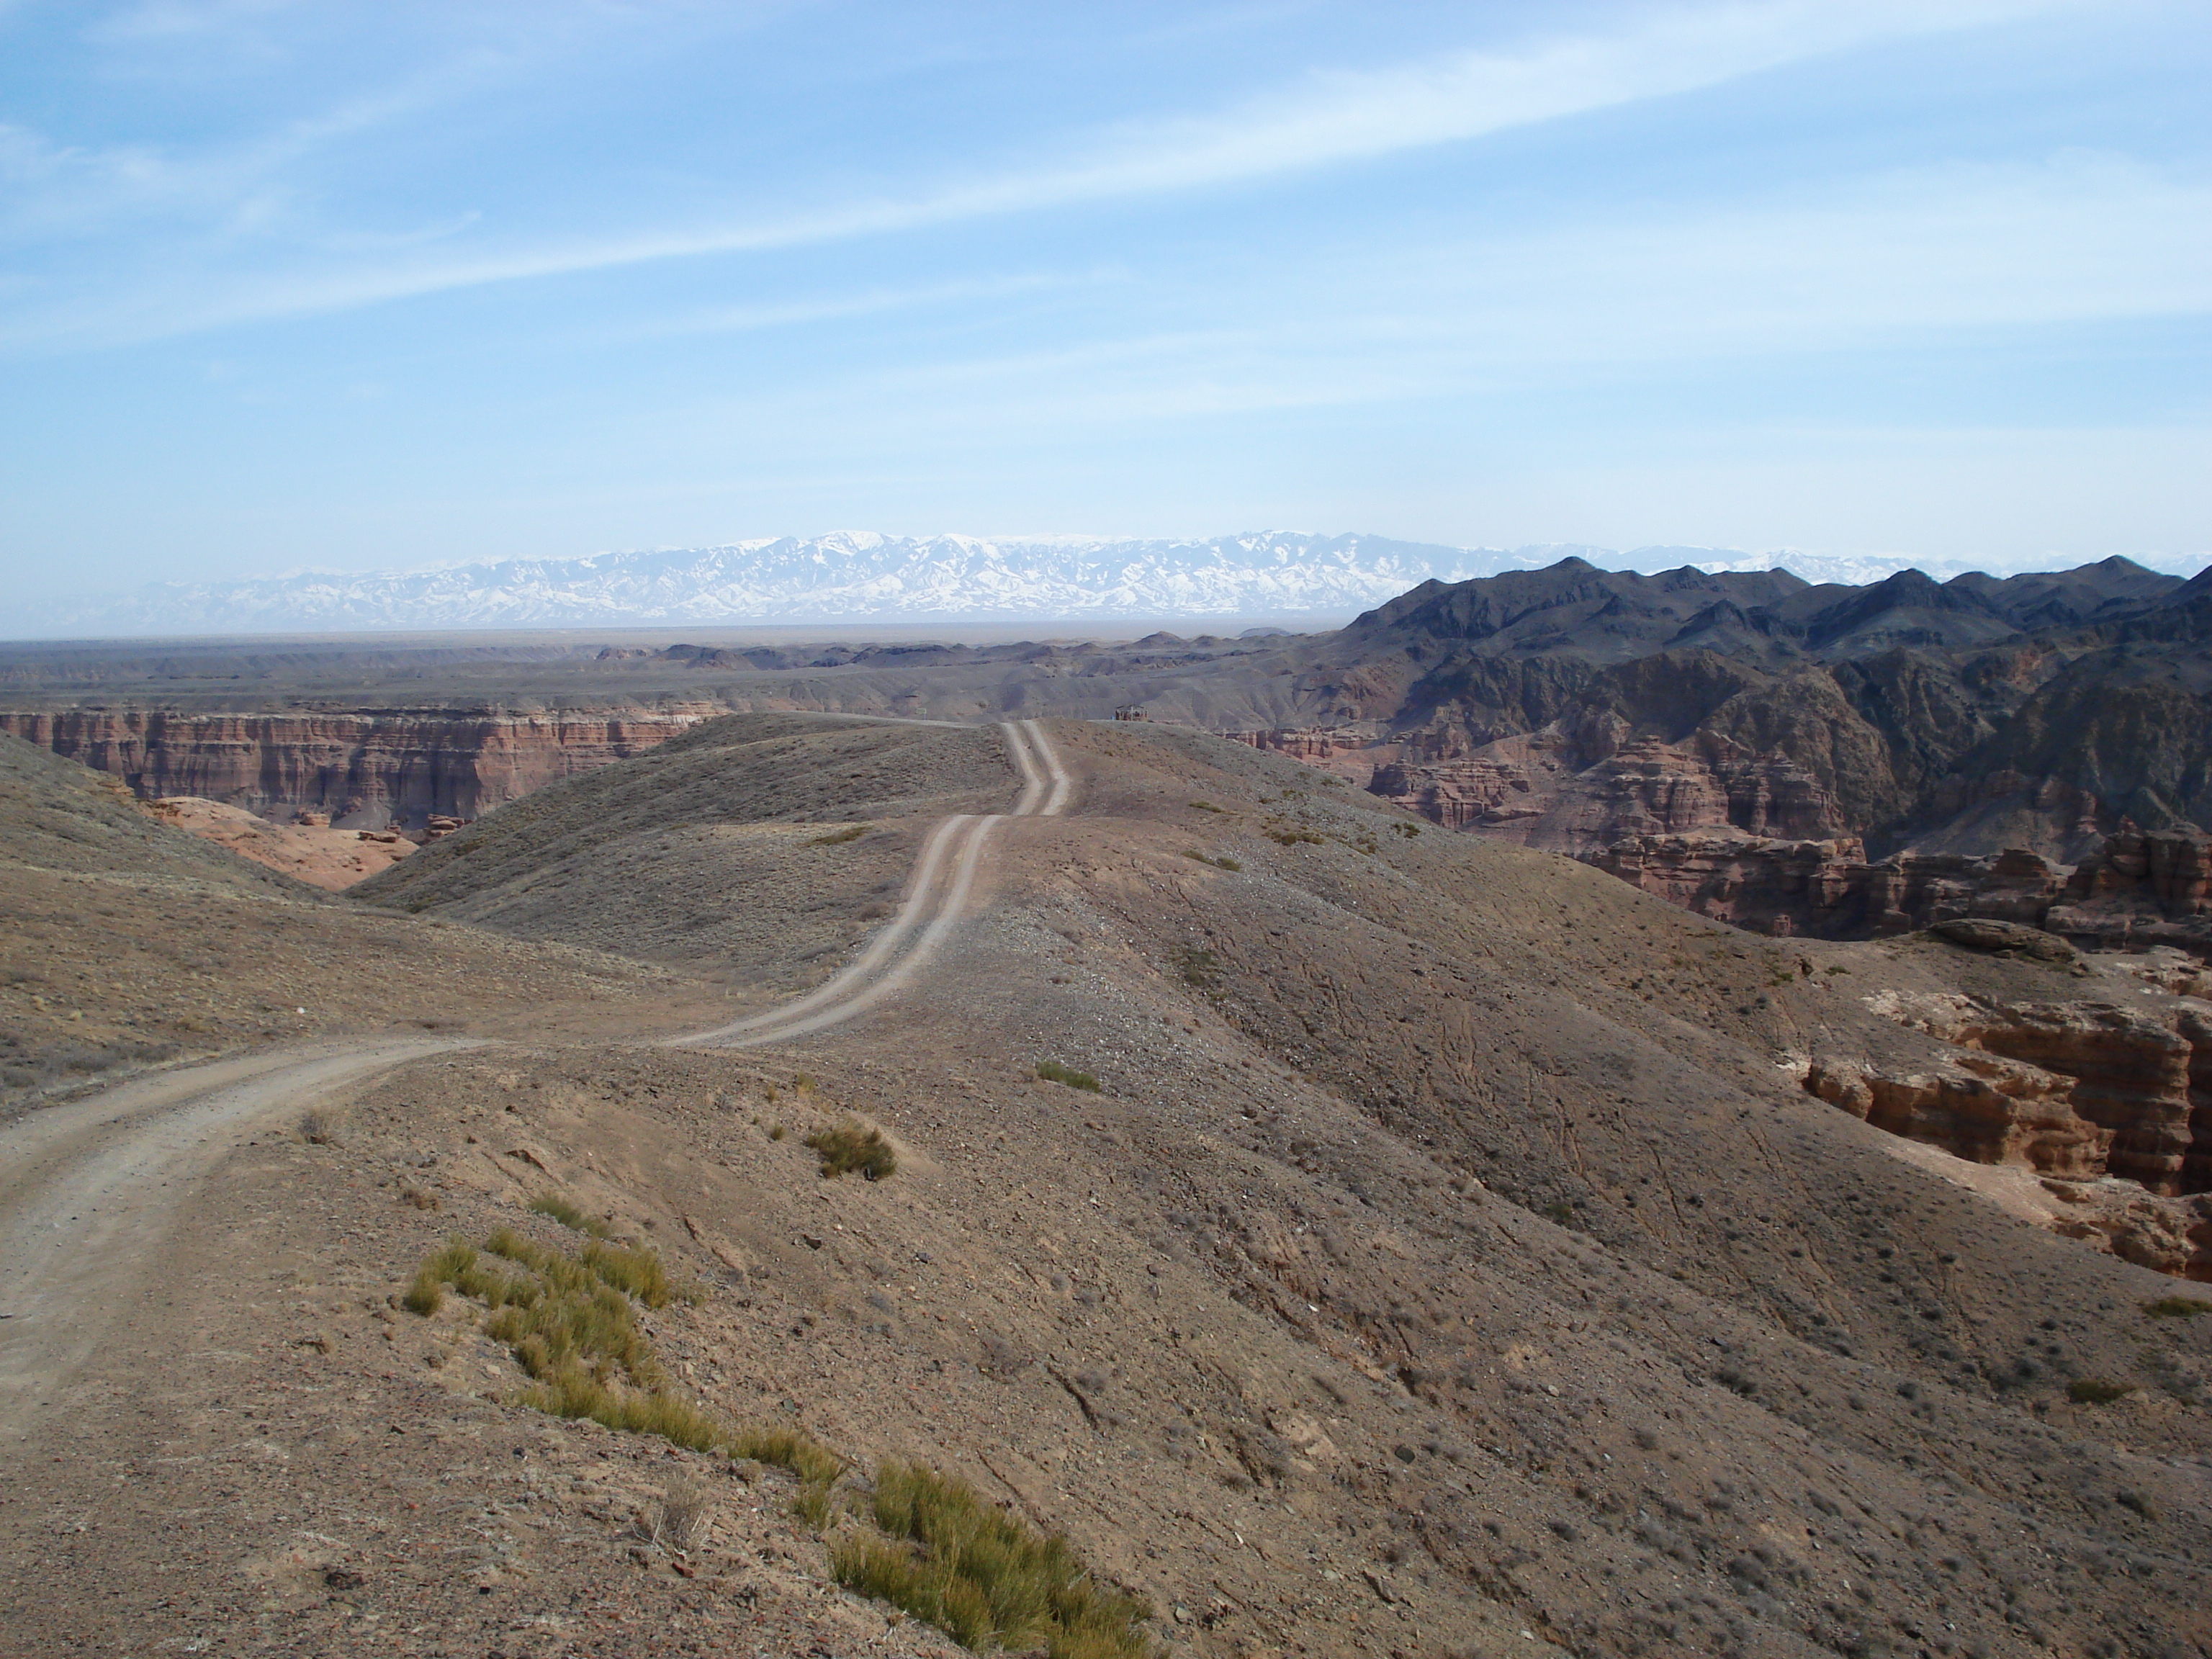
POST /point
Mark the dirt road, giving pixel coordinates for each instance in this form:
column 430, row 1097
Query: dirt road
column 936, row 897
column 87, row 1191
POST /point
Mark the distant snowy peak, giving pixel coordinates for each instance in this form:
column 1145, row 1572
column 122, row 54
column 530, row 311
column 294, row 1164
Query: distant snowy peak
column 848, row 576
column 862, row 575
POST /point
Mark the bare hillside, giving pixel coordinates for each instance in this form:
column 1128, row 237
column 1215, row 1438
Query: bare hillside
column 129, row 943
column 1448, row 1259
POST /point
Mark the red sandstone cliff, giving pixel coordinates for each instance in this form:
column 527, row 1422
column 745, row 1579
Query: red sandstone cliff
column 2110, row 1105
column 365, row 770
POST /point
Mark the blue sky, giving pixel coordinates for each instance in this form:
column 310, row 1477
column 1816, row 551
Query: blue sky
column 378, row 285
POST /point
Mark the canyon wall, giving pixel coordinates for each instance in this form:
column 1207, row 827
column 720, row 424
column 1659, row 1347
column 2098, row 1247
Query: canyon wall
column 2109, row 1106
column 2136, row 891
column 366, row 770
column 1754, row 840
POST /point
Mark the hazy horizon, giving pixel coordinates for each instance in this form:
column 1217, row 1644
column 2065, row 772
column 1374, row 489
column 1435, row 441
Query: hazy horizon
column 861, row 582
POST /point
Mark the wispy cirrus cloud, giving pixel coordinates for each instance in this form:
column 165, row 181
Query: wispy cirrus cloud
column 1911, row 255
column 1321, row 120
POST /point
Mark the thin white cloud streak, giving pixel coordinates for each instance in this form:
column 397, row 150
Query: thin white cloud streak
column 75, row 191
column 1940, row 252
column 1328, row 119
column 741, row 320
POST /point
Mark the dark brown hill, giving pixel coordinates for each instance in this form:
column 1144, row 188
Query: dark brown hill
column 2041, row 710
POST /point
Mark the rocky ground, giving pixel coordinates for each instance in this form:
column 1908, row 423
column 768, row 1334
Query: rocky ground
column 128, row 943
column 1450, row 1259
column 311, row 852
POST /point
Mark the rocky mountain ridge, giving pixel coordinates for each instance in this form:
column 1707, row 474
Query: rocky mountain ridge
column 1793, row 757
column 867, row 576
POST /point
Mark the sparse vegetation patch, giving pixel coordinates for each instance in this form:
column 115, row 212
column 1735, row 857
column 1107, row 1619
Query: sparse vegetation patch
column 1197, row 966
column 851, row 1145
column 839, row 837
column 1053, row 1071
column 1223, row 862
column 982, row 1575
column 2097, row 1391
column 2177, row 1307
column 568, row 1214
column 572, row 1326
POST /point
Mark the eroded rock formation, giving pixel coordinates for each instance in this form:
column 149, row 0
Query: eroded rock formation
column 2110, row 1106
column 2166, row 1235
column 1578, row 792
column 366, row 770
column 1979, row 1107
column 309, row 850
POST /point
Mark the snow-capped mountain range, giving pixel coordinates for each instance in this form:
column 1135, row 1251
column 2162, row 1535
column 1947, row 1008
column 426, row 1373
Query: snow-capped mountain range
column 856, row 576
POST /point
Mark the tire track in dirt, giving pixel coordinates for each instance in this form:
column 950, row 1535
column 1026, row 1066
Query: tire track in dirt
column 88, row 1190
column 943, row 877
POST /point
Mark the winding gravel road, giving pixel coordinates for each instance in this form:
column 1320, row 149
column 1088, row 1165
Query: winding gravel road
column 87, row 1189
column 936, row 897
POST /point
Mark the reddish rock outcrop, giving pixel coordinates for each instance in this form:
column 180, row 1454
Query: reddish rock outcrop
column 2150, row 893
column 2066, row 1088
column 1581, row 790
column 2166, row 1235
column 2111, row 1107
column 1978, row 1107
column 309, row 850
column 365, row 770
column 2140, row 890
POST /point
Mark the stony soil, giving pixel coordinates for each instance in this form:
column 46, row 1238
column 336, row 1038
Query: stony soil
column 1449, row 1263
column 128, row 943
column 332, row 860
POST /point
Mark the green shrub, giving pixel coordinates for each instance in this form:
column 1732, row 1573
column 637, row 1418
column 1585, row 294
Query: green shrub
column 789, row 1448
column 560, row 1210
column 979, row 1574
column 1224, row 862
column 2096, row 1391
column 572, row 1326
column 853, row 1145
column 2177, row 1307
column 1053, row 1071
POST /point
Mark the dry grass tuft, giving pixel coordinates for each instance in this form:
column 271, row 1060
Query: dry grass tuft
column 569, row 1215
column 1053, row 1071
column 839, row 837
column 571, row 1322
column 853, row 1145
column 789, row 1448
column 2177, row 1307
column 979, row 1574
column 678, row 1522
